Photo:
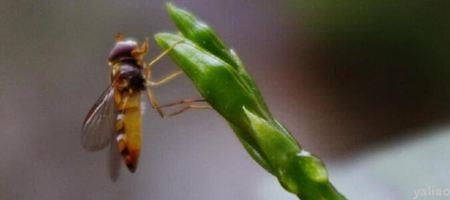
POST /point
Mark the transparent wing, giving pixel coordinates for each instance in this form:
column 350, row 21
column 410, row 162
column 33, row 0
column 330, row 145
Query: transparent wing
column 114, row 161
column 98, row 127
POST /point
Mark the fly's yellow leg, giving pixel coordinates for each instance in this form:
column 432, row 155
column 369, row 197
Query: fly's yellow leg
column 189, row 104
column 165, row 79
column 139, row 52
column 153, row 101
column 151, row 97
column 185, row 101
column 150, row 83
column 188, row 107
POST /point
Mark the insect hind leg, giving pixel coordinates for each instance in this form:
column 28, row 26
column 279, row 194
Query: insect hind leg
column 188, row 104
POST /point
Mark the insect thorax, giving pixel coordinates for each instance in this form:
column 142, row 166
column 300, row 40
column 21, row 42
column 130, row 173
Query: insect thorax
column 128, row 75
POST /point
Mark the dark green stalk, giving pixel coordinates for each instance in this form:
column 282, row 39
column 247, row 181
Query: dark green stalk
column 222, row 80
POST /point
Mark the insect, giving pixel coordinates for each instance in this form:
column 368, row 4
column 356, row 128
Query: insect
column 117, row 113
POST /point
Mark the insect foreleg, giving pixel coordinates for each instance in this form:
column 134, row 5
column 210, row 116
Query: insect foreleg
column 161, row 55
column 139, row 52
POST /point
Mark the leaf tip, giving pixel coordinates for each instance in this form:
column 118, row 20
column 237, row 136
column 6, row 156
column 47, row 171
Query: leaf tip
column 170, row 7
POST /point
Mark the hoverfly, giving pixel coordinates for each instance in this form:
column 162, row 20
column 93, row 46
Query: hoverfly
column 118, row 110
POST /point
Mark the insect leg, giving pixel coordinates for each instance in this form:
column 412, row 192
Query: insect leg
column 140, row 51
column 189, row 105
column 165, row 79
column 187, row 108
column 185, row 101
column 150, row 83
column 160, row 56
column 154, row 102
column 149, row 66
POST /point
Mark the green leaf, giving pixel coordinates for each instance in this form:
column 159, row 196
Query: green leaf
column 201, row 34
column 215, row 79
column 220, row 77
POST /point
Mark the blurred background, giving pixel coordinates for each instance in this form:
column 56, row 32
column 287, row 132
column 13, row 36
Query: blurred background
column 362, row 84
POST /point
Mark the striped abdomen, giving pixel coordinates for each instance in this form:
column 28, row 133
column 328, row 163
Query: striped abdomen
column 129, row 83
column 128, row 127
